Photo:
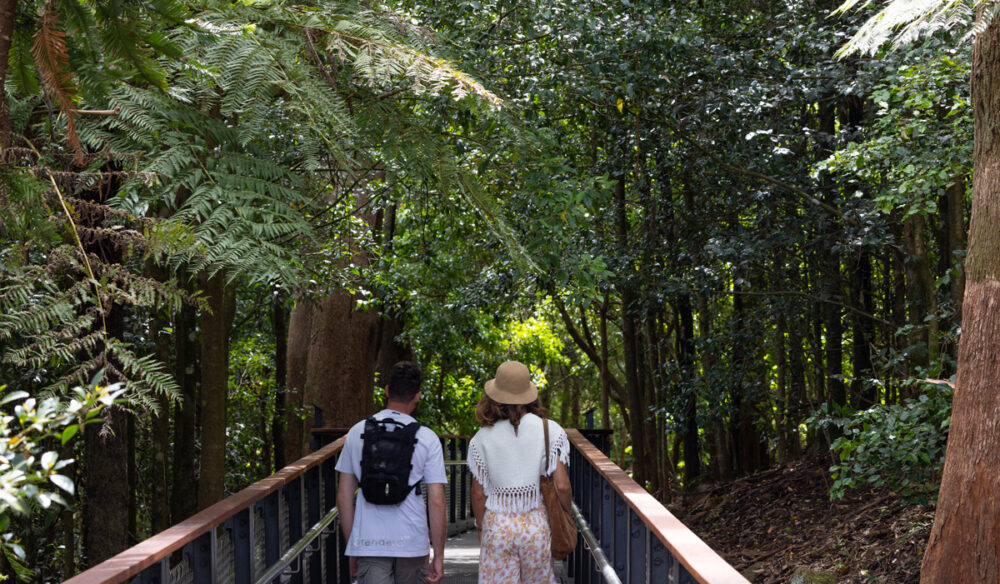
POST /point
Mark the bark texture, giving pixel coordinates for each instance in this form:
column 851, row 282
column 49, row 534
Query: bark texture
column 964, row 545
column 215, row 324
column 289, row 405
column 340, row 376
column 7, row 18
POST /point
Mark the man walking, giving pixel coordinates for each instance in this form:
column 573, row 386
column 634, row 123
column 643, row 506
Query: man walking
column 387, row 541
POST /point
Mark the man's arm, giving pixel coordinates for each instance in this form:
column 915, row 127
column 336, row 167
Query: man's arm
column 345, row 503
column 345, row 512
column 439, row 529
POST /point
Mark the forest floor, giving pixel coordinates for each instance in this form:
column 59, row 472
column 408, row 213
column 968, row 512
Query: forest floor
column 778, row 521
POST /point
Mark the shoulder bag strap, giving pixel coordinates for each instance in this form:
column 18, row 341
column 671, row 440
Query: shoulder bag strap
column 545, row 429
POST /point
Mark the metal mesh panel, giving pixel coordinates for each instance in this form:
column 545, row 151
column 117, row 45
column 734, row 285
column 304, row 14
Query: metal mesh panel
column 225, row 571
column 182, row 573
column 258, row 540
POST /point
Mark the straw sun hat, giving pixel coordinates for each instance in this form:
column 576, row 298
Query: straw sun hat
column 512, row 384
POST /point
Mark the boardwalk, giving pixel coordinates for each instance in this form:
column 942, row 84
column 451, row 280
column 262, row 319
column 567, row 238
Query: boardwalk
column 283, row 529
column 461, row 560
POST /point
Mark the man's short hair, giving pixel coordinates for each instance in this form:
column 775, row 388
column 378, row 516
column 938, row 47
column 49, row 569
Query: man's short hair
column 404, row 381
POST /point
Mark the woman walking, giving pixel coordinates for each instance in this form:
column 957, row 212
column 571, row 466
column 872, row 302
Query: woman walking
column 507, row 457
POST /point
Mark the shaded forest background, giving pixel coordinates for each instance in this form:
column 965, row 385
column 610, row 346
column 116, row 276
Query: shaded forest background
column 701, row 229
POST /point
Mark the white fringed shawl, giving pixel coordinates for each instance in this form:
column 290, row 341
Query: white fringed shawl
column 508, row 465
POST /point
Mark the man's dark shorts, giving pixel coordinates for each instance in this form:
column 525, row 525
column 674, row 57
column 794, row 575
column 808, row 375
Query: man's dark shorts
column 374, row 570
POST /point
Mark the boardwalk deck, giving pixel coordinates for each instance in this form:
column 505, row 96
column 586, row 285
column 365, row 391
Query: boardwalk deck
column 461, row 561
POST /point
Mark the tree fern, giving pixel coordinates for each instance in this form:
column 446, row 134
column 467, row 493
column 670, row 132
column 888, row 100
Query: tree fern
column 904, row 21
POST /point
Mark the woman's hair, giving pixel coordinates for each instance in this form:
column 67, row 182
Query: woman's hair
column 489, row 412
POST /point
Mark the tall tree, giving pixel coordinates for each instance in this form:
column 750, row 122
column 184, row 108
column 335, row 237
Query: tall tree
column 965, row 540
column 964, row 545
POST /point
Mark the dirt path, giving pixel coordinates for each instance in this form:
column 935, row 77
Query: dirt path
column 776, row 521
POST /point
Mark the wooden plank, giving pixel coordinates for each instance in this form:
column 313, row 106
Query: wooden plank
column 700, row 560
column 134, row 560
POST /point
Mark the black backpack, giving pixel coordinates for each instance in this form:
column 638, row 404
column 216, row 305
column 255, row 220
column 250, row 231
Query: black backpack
column 386, row 460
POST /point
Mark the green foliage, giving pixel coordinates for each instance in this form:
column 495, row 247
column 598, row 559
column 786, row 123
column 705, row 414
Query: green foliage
column 900, row 446
column 29, row 468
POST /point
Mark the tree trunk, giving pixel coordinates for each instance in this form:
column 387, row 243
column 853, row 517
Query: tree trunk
column 953, row 243
column 781, row 385
column 685, row 360
column 215, row 324
column 340, row 372
column 8, row 11
column 105, row 508
column 863, row 389
column 160, row 507
column 605, row 374
column 636, row 406
column 294, row 440
column 922, row 301
column 964, row 545
column 184, row 491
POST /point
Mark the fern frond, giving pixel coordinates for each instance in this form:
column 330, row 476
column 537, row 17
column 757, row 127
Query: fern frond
column 52, row 59
column 904, row 21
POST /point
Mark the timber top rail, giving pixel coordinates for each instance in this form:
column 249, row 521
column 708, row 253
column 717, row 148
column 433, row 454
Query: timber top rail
column 700, row 562
column 145, row 554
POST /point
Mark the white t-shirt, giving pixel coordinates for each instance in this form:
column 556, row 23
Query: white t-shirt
column 397, row 531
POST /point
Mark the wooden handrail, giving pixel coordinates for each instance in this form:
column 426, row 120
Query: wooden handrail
column 134, row 560
column 701, row 561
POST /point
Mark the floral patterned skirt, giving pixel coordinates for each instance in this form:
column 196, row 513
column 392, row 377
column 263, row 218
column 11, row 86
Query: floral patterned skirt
column 516, row 548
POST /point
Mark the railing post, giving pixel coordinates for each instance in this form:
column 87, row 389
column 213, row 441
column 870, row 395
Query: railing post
column 331, row 545
column 201, row 555
column 637, row 547
column 158, row 573
column 619, row 547
column 313, row 516
column 272, row 532
column 240, row 528
column 452, row 471
column 293, row 497
column 662, row 566
column 607, row 517
column 463, row 447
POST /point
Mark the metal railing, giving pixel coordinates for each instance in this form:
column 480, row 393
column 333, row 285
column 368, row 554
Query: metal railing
column 283, row 529
column 641, row 539
column 254, row 536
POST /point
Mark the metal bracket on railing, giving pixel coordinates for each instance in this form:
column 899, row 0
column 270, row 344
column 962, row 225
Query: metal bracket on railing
column 607, row 570
column 285, row 561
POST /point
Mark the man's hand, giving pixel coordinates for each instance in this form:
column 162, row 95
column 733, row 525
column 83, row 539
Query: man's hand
column 435, row 571
column 439, row 530
column 352, row 564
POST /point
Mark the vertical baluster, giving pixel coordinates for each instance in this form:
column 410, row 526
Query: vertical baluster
column 452, row 492
column 606, row 527
column 596, row 515
column 343, row 562
column 240, row 528
column 619, row 548
column 313, row 515
column 158, row 573
column 293, row 497
column 201, row 555
column 638, row 543
column 463, row 472
column 577, row 483
column 662, row 565
column 331, row 545
column 272, row 533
